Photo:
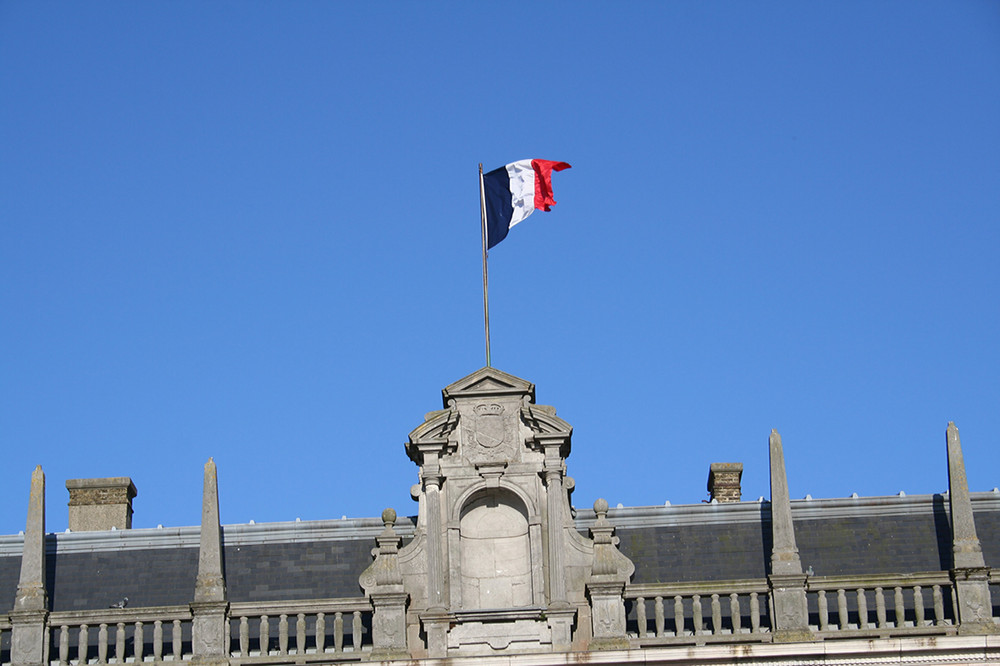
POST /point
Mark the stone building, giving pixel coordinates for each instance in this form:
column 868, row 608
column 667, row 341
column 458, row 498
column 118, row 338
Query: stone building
column 498, row 564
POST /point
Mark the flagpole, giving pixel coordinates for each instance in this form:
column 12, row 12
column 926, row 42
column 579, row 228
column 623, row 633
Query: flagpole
column 486, row 299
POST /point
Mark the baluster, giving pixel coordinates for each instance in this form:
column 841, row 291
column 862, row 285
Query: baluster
column 918, row 606
column 842, row 616
column 81, row 645
column 900, row 608
column 265, row 638
column 824, row 611
column 63, row 645
column 102, row 644
column 734, row 612
column 137, row 641
column 283, row 634
column 300, row 633
column 678, row 616
column 954, row 605
column 320, row 633
column 356, row 631
column 640, row 615
column 938, row 606
column 120, row 643
column 176, row 640
column 696, row 614
column 880, row 607
column 158, row 640
column 658, row 614
column 338, row 632
column 244, row 636
column 716, row 615
column 862, row 609
column 754, row 613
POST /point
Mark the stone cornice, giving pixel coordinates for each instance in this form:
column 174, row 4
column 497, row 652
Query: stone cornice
column 803, row 509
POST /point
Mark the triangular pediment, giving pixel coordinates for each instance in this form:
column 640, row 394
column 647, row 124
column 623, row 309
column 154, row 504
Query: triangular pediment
column 488, row 382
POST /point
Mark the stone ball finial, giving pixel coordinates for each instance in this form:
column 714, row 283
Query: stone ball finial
column 389, row 517
column 601, row 507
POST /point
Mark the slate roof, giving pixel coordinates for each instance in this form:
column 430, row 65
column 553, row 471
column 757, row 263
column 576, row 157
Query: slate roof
column 323, row 559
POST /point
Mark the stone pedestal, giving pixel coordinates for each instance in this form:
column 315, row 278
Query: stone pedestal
column 791, row 613
column 975, row 607
column 28, row 643
column 209, row 640
column 389, row 626
column 607, row 608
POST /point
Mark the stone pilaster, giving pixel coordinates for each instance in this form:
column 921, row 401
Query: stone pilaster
column 432, row 480
column 970, row 573
column 786, row 581
column 554, row 498
column 29, row 644
column 210, row 642
column 383, row 584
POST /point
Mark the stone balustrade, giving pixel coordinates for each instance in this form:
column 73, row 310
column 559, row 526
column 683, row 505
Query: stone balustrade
column 876, row 606
column 723, row 611
column 118, row 636
column 5, row 639
column 315, row 630
column 886, row 605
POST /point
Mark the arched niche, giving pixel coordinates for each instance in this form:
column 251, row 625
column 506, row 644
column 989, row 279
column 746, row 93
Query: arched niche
column 495, row 551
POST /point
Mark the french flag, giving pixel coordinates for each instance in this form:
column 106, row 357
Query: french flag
column 513, row 192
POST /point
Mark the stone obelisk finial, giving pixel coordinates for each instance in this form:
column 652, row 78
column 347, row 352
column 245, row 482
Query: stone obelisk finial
column 970, row 574
column 29, row 644
column 208, row 632
column 787, row 581
column 966, row 547
column 784, row 552
column 211, row 584
column 31, row 593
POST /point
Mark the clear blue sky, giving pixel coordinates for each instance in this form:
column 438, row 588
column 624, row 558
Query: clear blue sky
column 251, row 231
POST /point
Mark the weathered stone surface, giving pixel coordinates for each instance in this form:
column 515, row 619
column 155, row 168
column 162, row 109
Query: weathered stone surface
column 100, row 504
column 724, row 482
column 611, row 571
column 383, row 584
column 209, row 638
column 787, row 582
column 29, row 646
column 494, row 536
column 971, row 576
column 210, row 585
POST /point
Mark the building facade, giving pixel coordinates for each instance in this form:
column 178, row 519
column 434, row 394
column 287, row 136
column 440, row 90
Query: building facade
column 498, row 565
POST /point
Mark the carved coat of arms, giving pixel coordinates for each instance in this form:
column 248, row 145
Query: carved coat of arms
column 490, row 433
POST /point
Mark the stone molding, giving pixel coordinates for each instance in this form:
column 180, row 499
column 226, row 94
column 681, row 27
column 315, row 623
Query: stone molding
column 112, row 490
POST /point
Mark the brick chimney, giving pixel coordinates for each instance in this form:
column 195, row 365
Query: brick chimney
column 724, row 481
column 100, row 504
